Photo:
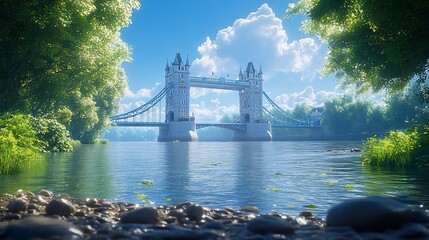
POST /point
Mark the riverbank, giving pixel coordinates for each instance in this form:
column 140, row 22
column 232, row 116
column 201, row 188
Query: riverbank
column 27, row 215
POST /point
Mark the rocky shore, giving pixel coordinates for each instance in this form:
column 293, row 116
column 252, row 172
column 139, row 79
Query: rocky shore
column 43, row 215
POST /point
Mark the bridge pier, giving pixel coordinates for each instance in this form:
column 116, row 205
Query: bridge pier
column 254, row 132
column 178, row 131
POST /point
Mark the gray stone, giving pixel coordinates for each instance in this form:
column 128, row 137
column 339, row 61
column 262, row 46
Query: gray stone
column 269, row 224
column 371, row 214
column 40, row 228
column 195, row 212
column 251, row 209
column 45, row 193
column 60, row 206
column 145, row 215
column 18, row 205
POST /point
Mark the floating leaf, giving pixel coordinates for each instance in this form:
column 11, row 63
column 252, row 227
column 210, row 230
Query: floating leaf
column 331, row 169
column 168, row 199
column 143, row 198
column 290, row 206
column 300, row 199
column 331, row 181
column 274, row 189
column 310, row 206
column 349, row 186
column 323, row 174
column 147, row 182
column 279, row 174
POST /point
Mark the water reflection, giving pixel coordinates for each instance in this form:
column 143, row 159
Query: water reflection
column 176, row 160
column 249, row 180
column 83, row 173
column 398, row 183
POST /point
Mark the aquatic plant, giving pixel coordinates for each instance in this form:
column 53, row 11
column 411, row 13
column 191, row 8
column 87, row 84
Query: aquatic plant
column 147, row 182
column 399, row 149
column 349, row 186
column 144, row 198
column 311, row 206
column 19, row 145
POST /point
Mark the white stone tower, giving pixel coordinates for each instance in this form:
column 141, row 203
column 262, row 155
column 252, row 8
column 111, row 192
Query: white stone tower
column 251, row 97
column 177, row 105
column 181, row 126
column 257, row 128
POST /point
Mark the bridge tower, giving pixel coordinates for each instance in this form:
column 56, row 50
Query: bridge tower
column 251, row 108
column 181, row 126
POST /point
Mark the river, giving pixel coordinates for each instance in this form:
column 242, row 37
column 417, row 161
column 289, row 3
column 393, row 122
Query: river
column 274, row 176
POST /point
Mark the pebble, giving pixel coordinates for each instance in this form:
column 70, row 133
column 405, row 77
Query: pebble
column 18, row 205
column 60, row 206
column 371, row 214
column 251, row 209
column 195, row 212
column 45, row 193
column 99, row 219
column 144, row 215
column 40, row 228
column 269, row 224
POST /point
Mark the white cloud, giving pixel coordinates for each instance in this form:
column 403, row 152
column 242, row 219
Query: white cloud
column 212, row 113
column 141, row 93
column 308, row 95
column 259, row 37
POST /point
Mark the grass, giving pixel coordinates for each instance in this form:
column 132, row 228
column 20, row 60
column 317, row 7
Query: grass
column 399, row 149
column 19, row 145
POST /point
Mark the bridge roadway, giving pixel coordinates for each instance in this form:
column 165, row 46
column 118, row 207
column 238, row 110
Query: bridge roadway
column 217, row 83
column 231, row 126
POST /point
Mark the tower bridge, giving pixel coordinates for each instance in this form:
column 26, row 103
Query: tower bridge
column 254, row 123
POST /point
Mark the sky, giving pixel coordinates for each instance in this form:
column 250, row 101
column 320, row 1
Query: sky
column 220, row 37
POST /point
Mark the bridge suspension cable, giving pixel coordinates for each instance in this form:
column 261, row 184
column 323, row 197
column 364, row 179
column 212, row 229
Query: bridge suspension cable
column 282, row 112
column 145, row 107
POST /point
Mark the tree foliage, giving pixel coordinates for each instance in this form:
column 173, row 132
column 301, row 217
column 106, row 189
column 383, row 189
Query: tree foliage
column 64, row 58
column 373, row 44
column 19, row 144
column 345, row 114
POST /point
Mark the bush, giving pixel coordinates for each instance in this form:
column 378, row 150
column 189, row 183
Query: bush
column 19, row 145
column 55, row 136
column 399, row 149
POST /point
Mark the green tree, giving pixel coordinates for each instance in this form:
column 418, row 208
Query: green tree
column 64, row 57
column 230, row 118
column 344, row 114
column 405, row 109
column 301, row 110
column 373, row 44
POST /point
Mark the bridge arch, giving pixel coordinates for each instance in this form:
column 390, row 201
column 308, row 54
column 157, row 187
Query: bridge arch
column 170, row 116
column 246, row 118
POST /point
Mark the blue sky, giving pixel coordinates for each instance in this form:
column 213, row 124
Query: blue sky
column 219, row 37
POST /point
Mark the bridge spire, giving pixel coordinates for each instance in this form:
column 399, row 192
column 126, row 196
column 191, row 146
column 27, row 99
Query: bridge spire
column 178, row 59
column 187, row 61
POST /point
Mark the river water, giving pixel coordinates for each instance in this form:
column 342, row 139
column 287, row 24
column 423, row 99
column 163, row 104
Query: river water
column 274, row 176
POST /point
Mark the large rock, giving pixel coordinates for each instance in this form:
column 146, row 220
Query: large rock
column 269, row 224
column 18, row 205
column 40, row 228
column 195, row 212
column 145, row 215
column 372, row 214
column 60, row 206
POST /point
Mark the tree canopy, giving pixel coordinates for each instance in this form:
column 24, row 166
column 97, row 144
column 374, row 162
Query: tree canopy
column 63, row 59
column 373, row 44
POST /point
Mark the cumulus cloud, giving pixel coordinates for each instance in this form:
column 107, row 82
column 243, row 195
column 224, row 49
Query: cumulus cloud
column 212, row 113
column 141, row 93
column 259, row 37
column 308, row 96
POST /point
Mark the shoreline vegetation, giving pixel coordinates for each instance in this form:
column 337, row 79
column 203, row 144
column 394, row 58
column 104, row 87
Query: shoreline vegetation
column 44, row 215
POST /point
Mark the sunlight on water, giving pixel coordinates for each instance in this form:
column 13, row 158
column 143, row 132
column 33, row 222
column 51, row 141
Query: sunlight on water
column 274, row 176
